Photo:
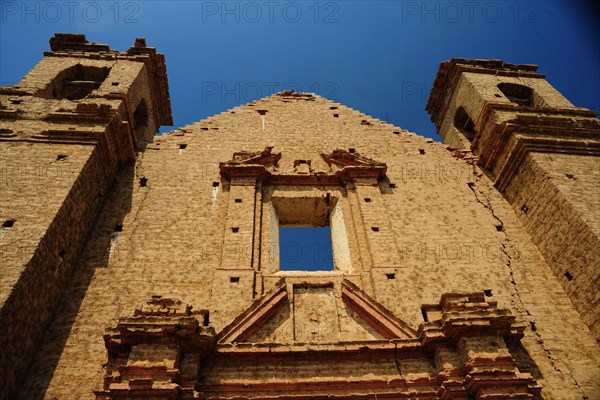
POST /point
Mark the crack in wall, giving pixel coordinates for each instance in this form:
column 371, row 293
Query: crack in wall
column 397, row 361
column 486, row 202
column 520, row 306
column 138, row 172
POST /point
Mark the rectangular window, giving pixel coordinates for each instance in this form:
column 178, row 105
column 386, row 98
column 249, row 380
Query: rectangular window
column 308, row 233
column 305, row 249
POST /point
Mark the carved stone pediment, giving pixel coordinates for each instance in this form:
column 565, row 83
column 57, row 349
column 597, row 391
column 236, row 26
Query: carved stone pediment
column 462, row 351
column 265, row 157
column 365, row 311
column 343, row 158
column 250, row 164
column 256, row 315
column 343, row 166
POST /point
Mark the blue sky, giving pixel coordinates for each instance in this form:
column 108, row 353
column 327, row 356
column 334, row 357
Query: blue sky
column 305, row 249
column 377, row 56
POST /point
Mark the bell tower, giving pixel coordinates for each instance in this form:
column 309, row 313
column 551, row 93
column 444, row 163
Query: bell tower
column 66, row 129
column 543, row 155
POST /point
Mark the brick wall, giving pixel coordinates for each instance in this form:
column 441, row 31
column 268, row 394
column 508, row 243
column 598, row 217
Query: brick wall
column 445, row 229
column 53, row 203
column 556, row 196
column 58, row 158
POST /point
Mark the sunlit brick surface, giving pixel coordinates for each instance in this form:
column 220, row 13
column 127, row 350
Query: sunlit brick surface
column 162, row 225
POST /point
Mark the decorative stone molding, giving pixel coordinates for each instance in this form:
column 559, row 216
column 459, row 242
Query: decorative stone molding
column 461, row 353
column 156, row 353
column 343, row 165
column 469, row 336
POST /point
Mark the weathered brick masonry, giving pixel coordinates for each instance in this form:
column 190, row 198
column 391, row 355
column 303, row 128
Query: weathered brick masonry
column 542, row 154
column 59, row 156
column 136, row 266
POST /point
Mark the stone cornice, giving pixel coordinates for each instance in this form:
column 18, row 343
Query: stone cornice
column 503, row 146
column 260, row 165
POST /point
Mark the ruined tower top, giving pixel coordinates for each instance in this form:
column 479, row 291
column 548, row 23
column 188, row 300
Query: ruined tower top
column 78, row 81
column 69, row 45
column 468, row 94
column 66, row 45
column 449, row 72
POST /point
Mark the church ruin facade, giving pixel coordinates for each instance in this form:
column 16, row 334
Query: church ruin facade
column 137, row 266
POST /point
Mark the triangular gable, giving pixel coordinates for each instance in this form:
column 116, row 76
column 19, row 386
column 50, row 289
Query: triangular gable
column 265, row 157
column 343, row 158
column 353, row 165
column 376, row 315
column 250, row 164
column 255, row 316
column 262, row 310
